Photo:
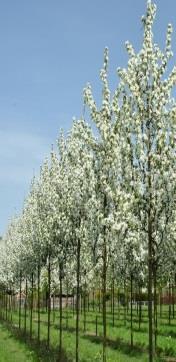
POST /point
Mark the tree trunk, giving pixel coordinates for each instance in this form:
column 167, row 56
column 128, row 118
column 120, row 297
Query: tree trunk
column 38, row 287
column 118, row 300
column 53, row 308
column 150, row 245
column 169, row 302
column 73, row 303
column 49, row 301
column 139, row 306
column 131, row 299
column 77, row 298
column 67, row 308
column 88, row 302
column 10, row 305
column 60, row 302
column 155, row 309
column 6, row 305
column 99, row 300
column 125, row 310
column 96, row 326
column 150, row 302
column 25, row 306
column 93, row 300
column 104, row 285
column 173, row 303
column 161, row 303
column 113, row 302
column 32, row 295
column 84, row 305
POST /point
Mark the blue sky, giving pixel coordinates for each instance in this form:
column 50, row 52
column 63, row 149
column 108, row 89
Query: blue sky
column 49, row 50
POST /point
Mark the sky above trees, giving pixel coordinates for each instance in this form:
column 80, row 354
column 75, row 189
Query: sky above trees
column 49, row 51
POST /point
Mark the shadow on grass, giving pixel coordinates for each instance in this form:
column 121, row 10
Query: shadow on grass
column 118, row 344
column 172, row 324
column 66, row 329
column 169, row 333
column 137, row 330
column 166, row 354
column 40, row 350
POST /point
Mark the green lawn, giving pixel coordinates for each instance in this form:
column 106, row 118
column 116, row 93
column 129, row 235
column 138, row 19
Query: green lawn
column 12, row 350
column 118, row 341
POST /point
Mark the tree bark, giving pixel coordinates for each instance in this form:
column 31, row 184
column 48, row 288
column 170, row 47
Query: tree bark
column 113, row 303
column 173, row 302
column 49, row 301
column 155, row 309
column 150, row 240
column 25, row 306
column 38, row 287
column 150, row 302
column 77, row 298
column 32, row 295
column 169, row 302
column 67, row 307
column 104, row 282
column 60, row 302
column 131, row 299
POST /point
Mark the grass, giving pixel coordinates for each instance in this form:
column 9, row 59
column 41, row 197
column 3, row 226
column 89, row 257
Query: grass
column 118, row 338
column 12, row 349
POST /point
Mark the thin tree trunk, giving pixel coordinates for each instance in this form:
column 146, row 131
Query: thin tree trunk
column 25, row 306
column 67, row 307
column 13, row 301
column 93, row 301
column 131, row 298
column 113, row 317
column 81, row 302
column 155, row 309
column 73, row 303
column 77, row 298
column 173, row 303
column 161, row 303
column 4, row 303
column 38, row 287
column 46, row 301
column 169, row 302
column 110, row 301
column 140, row 314
column 49, row 301
column 6, row 307
column 99, row 300
column 150, row 302
column 118, row 300
column 32, row 295
column 96, row 325
column 11, row 304
column 149, row 232
column 60, row 302
column 53, row 308
column 84, row 305
column 88, row 302
column 124, row 303
column 104, row 283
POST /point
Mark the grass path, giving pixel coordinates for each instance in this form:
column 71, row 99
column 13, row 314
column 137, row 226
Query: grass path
column 12, row 350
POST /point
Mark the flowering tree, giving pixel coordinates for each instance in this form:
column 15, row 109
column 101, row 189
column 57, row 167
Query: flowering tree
column 103, row 208
column 149, row 133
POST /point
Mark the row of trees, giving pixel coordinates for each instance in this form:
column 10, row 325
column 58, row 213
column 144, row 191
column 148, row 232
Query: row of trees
column 103, row 207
